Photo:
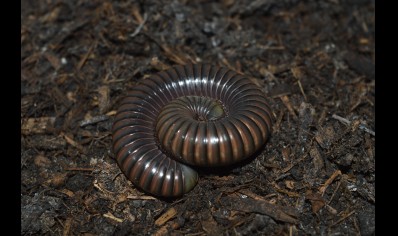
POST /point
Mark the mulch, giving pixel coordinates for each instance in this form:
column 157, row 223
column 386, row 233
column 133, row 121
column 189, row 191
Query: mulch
column 314, row 60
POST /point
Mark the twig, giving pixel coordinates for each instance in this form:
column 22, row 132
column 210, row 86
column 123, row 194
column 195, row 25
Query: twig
column 341, row 119
column 72, row 142
column 80, row 169
column 93, row 120
column 111, row 216
column 347, row 122
column 364, row 128
column 85, row 57
column 281, row 213
column 334, row 192
column 133, row 197
column 139, row 28
column 302, row 90
column 289, row 193
column 345, row 217
column 329, row 181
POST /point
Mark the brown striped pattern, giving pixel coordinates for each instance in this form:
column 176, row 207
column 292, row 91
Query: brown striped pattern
column 193, row 115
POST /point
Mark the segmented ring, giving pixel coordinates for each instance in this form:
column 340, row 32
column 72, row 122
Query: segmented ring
column 193, row 115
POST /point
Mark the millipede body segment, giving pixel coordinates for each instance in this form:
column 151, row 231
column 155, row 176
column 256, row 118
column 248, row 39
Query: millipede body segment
column 193, row 115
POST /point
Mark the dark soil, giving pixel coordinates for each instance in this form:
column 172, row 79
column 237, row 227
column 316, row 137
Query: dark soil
column 314, row 59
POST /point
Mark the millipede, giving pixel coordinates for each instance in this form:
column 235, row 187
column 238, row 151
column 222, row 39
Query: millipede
column 186, row 117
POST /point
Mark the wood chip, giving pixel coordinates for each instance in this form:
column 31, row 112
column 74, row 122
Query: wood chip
column 329, row 181
column 47, row 142
column 317, row 159
column 112, row 217
column 137, row 15
column 158, row 65
column 369, row 148
column 343, row 218
column 144, row 197
column 41, row 161
column 53, row 59
column 289, row 193
column 58, row 179
column 93, row 120
column 317, row 201
column 286, row 101
column 69, row 139
column 175, row 55
column 245, row 204
column 168, row 215
column 39, row 125
column 341, row 119
column 325, row 136
column 111, row 113
column 228, row 3
column 67, row 192
column 297, row 72
column 276, row 69
column 162, row 231
column 286, row 153
column 165, row 229
column 103, row 98
column 289, row 184
column 51, row 15
column 102, row 189
column 80, row 168
column 209, row 225
column 331, row 209
column 306, row 116
column 67, row 226
column 88, row 234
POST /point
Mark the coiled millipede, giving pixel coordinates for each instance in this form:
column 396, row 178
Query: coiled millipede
column 193, row 115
